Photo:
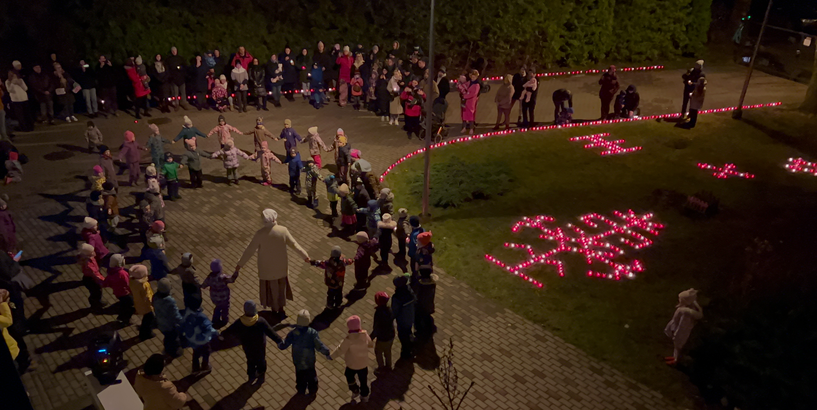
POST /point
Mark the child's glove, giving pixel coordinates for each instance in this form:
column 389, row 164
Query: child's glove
column 328, row 357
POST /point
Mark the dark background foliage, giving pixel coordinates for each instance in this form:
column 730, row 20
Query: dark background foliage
column 543, row 32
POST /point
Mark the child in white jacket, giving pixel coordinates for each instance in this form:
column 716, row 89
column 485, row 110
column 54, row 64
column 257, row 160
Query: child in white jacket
column 355, row 351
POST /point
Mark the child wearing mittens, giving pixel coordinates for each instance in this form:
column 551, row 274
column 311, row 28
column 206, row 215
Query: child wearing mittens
column 305, row 341
column 355, row 351
column 219, row 284
column 332, row 194
column 334, row 274
column 142, row 299
column 383, row 331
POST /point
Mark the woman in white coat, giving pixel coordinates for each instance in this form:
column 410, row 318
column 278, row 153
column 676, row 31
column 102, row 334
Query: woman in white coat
column 271, row 243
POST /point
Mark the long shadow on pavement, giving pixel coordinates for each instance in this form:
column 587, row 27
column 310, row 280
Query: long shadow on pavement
column 237, row 399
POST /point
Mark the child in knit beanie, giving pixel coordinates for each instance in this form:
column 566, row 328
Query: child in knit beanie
column 92, row 279
column 305, row 341
column 219, row 284
column 355, row 351
column 252, row 331
column 383, row 331
column 334, row 275
column 142, row 299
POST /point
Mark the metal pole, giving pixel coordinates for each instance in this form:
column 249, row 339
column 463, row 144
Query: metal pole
column 429, row 106
column 738, row 113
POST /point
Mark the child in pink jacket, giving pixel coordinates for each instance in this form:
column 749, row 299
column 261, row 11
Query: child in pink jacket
column 355, row 351
column 223, row 130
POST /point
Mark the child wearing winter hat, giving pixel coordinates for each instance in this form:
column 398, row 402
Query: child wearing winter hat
column 129, row 154
column 294, row 166
column 386, row 201
column 311, row 176
column 366, row 250
column 403, row 304
column 106, row 162
column 332, row 194
column 119, row 281
column 156, row 145
column 170, row 170
column 168, row 318
column 191, row 287
column 262, row 151
column 424, row 257
column 317, row 86
column 14, row 169
column 219, row 284
column 252, row 331
column 411, row 241
column 356, row 85
column 95, row 207
column 90, row 234
column 382, row 331
column 92, row 279
column 315, row 145
column 355, row 351
column 198, row 332
column 189, row 133
column 111, row 204
column 402, row 230
column 385, row 230
column 229, row 156
column 219, row 94
column 334, row 274
column 348, row 208
column 342, row 150
column 305, row 341
column 290, row 136
column 372, row 212
column 142, row 298
column 155, row 251
column 152, row 178
column 97, row 178
column 93, row 136
column 224, row 131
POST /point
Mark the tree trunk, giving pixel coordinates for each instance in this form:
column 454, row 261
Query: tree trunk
column 810, row 102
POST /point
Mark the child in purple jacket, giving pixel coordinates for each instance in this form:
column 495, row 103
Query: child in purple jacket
column 129, row 153
column 219, row 284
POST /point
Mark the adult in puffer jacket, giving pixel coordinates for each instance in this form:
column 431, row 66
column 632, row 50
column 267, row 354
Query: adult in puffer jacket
column 355, row 352
column 198, row 331
column 168, row 318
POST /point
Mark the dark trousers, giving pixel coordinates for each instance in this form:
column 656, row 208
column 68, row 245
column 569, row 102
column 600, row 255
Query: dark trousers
column 261, row 102
column 107, row 97
column 94, row 290
column 693, row 118
column 334, row 206
column 527, row 113
column 146, row 328
column 413, row 265
column 171, row 343
column 201, row 100
column 334, row 297
column 401, row 247
column 141, row 103
column 306, row 380
column 413, row 125
column 406, row 341
column 133, row 173
column 125, row 308
column 685, row 104
column 606, row 100
column 256, row 364
column 240, row 100
column 23, row 116
column 295, row 184
column 385, row 247
column 173, row 188
column 195, row 178
column 201, row 357
column 362, row 376
column 221, row 315
column 424, row 324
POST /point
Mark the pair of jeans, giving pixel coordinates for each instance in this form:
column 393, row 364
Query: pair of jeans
column 47, row 109
column 334, row 297
column 195, row 178
column 241, row 100
column 91, row 103
column 171, row 342
column 500, row 112
column 527, row 113
column 275, row 89
column 140, row 104
column 201, row 353
column 382, row 352
column 179, row 91
column 261, row 102
column 319, row 98
column 306, row 380
column 305, row 90
column 94, row 291
column 107, row 97
column 125, row 308
column 133, row 173
column 146, row 328
column 362, row 375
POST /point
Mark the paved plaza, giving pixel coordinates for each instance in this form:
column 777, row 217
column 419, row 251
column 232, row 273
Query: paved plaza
column 515, row 363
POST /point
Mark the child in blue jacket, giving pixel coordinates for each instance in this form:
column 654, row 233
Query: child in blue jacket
column 305, row 341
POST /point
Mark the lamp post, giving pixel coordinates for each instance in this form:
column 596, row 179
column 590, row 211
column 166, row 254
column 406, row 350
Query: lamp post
column 738, row 113
column 429, row 107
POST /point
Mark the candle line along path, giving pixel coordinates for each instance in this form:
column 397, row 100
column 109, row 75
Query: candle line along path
column 552, row 127
column 579, row 72
column 610, row 147
column 726, row 171
column 603, row 248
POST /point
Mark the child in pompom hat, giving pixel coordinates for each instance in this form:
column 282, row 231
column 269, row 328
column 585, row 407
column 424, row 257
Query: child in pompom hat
column 355, row 351
column 219, row 284
column 402, row 230
column 92, row 279
column 262, row 151
column 383, row 331
column 93, row 136
column 191, row 287
column 129, row 154
column 290, row 136
column 119, row 281
column 155, row 251
column 189, row 133
column 90, row 234
column 424, row 258
column 98, row 178
column 253, row 331
column 366, row 250
column 142, row 299
column 332, row 194
column 334, row 274
column 315, row 145
column 156, row 145
column 305, row 341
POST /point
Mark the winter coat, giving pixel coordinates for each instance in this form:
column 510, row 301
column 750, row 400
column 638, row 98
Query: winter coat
column 177, row 69
column 403, row 228
column 139, row 89
column 290, row 73
column 8, row 232
column 311, row 176
column 6, row 320
column 363, row 257
column 344, row 155
column 331, row 188
column 197, row 328
column 386, row 204
column 294, row 165
column 345, row 69
column 443, row 87
column 241, row 79
column 469, row 92
column 355, row 350
column 95, row 240
column 219, row 287
column 690, row 78
column 504, row 97
column 223, row 132
column 680, row 326
column 158, row 392
column 323, row 59
column 316, row 80
column 304, row 65
column 230, row 156
column 40, row 84
column 106, row 76
column 395, row 108
column 315, row 144
column 111, row 203
column 291, row 139
column 356, row 84
column 246, row 59
column 110, row 172
column 609, row 85
column 253, row 332
column 258, row 134
column 274, row 71
column 412, row 245
column 200, row 78
column 383, row 327
column 93, row 136
column 271, row 244
column 189, row 133
column 170, row 170
column 142, row 295
column 90, row 268
column 403, row 303
column 334, row 271
column 118, row 280
column 305, row 341
column 518, row 84
column 168, row 317
column 192, row 159
column 156, row 206
column 424, row 256
column 159, row 265
column 156, row 146
column 696, row 100
column 257, row 76
column 348, row 206
column 414, row 107
column 129, row 152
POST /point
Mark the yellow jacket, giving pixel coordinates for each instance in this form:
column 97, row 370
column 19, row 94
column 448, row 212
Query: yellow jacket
column 6, row 321
column 142, row 295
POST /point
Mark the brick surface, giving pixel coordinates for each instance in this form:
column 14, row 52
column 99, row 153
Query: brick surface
column 525, row 367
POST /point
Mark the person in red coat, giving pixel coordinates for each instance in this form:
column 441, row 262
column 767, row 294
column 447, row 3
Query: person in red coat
column 244, row 57
column 140, row 91
column 345, row 62
column 119, row 281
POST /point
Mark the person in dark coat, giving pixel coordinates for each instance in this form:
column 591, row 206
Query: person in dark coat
column 382, row 331
column 252, row 331
column 8, row 230
column 106, row 81
column 199, row 72
column 631, row 101
column 86, row 78
column 690, row 81
column 426, row 294
column 518, row 83
column 290, row 73
column 177, row 69
column 43, row 86
column 381, row 90
column 160, row 82
column 562, row 101
column 322, row 57
column 609, row 88
column 443, row 85
column 403, row 303
column 220, row 63
column 274, row 79
column 257, row 77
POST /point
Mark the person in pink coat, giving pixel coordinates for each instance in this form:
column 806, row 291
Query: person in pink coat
column 687, row 313
column 469, row 93
column 223, row 130
column 345, row 61
column 129, row 154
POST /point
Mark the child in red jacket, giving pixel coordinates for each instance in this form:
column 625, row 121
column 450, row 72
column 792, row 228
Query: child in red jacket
column 334, row 275
column 357, row 89
column 366, row 250
column 91, row 278
column 413, row 98
column 119, row 281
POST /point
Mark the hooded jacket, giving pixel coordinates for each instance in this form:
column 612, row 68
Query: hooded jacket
column 305, row 341
column 197, row 328
column 168, row 317
column 191, row 158
column 252, row 332
column 229, row 156
column 142, row 295
column 403, row 303
column 223, row 132
column 355, row 350
column 94, row 239
column 334, row 271
column 118, row 280
column 158, row 392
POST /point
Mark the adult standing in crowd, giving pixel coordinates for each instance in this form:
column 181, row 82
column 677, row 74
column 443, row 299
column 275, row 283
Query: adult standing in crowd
column 140, row 91
column 106, row 78
column 696, row 101
column 257, row 76
column 241, row 79
column 443, row 85
column 530, row 93
column 691, row 78
column 4, row 136
column 270, row 243
column 325, row 62
column 65, row 89
column 609, row 88
column 199, row 72
column 18, row 93
column 274, row 79
column 518, row 83
column 504, row 102
column 161, row 82
column 219, row 63
column 178, row 89
column 304, row 63
column 42, row 86
column 290, row 73
column 86, row 78
column 469, row 92
column 243, row 56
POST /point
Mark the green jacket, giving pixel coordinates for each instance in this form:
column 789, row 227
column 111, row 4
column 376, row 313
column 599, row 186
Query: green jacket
column 171, row 171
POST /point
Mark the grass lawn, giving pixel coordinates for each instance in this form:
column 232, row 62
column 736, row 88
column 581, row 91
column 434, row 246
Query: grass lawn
column 619, row 322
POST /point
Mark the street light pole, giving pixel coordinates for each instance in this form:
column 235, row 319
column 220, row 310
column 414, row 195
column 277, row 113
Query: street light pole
column 429, row 108
column 738, row 113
